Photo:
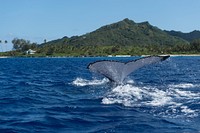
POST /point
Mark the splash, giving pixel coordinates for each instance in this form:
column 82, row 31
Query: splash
column 173, row 101
column 85, row 82
column 130, row 95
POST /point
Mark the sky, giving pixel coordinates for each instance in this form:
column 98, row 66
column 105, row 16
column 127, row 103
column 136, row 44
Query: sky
column 36, row 20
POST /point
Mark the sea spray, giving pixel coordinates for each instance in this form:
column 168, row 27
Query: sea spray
column 85, row 82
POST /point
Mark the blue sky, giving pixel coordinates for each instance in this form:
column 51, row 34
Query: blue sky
column 36, row 20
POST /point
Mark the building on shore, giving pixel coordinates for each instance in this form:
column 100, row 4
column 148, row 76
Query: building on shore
column 30, row 51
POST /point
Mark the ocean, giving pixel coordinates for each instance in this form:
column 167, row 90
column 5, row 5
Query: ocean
column 60, row 95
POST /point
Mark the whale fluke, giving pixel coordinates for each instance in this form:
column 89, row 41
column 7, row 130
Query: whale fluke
column 117, row 71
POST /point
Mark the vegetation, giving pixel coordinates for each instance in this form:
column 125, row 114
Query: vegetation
column 187, row 36
column 3, row 42
column 22, row 45
column 122, row 38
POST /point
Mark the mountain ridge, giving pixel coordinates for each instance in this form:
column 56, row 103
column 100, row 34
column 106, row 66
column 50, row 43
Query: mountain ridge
column 125, row 32
column 125, row 37
column 191, row 36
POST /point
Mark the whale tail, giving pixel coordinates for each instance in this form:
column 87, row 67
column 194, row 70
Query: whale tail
column 117, row 71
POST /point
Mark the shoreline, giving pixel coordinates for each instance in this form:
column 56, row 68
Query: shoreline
column 174, row 55
column 117, row 56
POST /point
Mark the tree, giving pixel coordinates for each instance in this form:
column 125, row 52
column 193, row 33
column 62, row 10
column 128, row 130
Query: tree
column 50, row 51
column 1, row 45
column 6, row 43
column 18, row 44
column 23, row 45
column 196, row 45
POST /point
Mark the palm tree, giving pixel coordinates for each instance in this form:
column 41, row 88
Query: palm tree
column 1, row 46
column 6, row 43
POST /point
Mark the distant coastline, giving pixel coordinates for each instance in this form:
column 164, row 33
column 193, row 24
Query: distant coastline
column 174, row 55
column 124, row 38
column 109, row 56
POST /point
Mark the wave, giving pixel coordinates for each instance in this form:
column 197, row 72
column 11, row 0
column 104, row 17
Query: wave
column 85, row 82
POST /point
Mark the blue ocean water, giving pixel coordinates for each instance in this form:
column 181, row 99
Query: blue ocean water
column 60, row 95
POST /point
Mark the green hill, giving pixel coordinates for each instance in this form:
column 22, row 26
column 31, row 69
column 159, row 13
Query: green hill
column 124, row 33
column 123, row 37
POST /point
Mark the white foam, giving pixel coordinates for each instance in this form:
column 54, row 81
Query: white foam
column 183, row 85
column 130, row 95
column 122, row 94
column 185, row 109
column 85, row 82
column 130, row 81
column 182, row 90
column 187, row 94
column 172, row 100
column 159, row 98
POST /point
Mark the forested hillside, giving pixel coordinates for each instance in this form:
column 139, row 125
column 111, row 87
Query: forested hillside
column 125, row 32
column 121, row 38
column 191, row 36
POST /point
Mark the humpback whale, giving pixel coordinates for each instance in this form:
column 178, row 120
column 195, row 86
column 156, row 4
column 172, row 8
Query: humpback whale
column 117, row 71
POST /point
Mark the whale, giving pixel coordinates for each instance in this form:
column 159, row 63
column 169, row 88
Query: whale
column 117, row 71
